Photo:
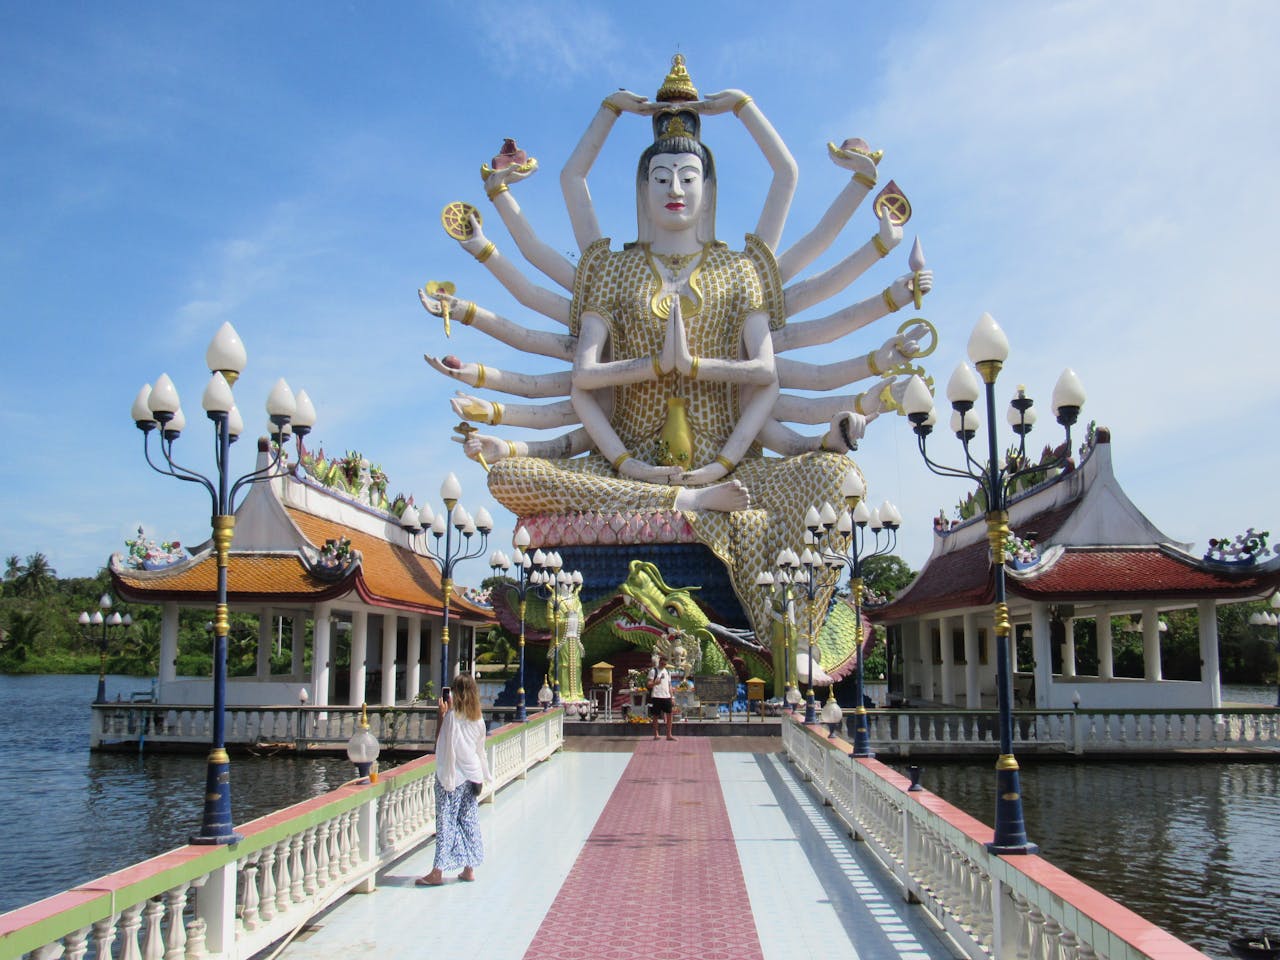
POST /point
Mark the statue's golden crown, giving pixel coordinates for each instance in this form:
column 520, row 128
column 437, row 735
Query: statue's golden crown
column 677, row 89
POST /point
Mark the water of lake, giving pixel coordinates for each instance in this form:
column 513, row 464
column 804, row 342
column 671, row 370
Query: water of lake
column 1190, row 845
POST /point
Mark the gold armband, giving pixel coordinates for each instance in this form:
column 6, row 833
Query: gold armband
column 612, row 108
column 889, row 301
column 657, row 367
column 493, row 194
column 725, row 462
column 881, row 247
column 511, row 450
column 495, row 418
column 737, row 107
column 693, row 369
column 872, row 365
column 487, row 252
column 469, row 314
column 620, row 460
column 479, row 374
column 865, row 180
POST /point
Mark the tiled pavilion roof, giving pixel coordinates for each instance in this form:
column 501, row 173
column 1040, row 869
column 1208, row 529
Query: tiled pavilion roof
column 1080, row 519
column 387, row 575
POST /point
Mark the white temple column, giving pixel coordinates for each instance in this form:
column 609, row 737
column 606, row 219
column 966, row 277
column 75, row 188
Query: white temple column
column 1069, row 647
column 320, row 655
column 359, row 653
column 948, row 660
column 1207, row 615
column 297, row 644
column 929, row 674
column 972, row 686
column 910, row 634
column 1151, row 643
column 168, row 671
column 412, row 655
column 1102, row 632
column 1041, row 653
column 266, row 640
column 390, row 628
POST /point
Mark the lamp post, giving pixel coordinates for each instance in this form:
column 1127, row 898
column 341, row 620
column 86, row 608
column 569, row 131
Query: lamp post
column 103, row 618
column 456, row 527
column 523, row 564
column 852, row 531
column 1271, row 619
column 302, row 706
column 781, row 585
column 816, row 574
column 988, row 349
column 363, row 747
column 158, row 409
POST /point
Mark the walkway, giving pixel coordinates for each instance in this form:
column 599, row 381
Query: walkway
column 669, row 852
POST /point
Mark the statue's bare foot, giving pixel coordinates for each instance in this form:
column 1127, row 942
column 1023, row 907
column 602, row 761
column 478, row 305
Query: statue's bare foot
column 730, row 495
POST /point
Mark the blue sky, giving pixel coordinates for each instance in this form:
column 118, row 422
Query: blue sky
column 1099, row 176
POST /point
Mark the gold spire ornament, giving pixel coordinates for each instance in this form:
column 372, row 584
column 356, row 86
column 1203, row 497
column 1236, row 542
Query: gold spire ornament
column 677, row 87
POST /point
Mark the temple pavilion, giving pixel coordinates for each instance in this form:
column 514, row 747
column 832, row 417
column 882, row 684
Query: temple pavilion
column 321, row 565
column 1084, row 551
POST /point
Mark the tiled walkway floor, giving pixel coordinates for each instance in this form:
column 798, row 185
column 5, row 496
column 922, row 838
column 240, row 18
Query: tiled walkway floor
column 594, row 847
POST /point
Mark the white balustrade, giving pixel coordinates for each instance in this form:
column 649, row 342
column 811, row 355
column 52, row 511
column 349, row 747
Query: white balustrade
column 991, row 906
column 282, row 873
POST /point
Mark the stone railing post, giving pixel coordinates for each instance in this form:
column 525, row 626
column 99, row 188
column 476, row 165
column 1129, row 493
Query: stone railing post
column 367, row 842
column 216, row 906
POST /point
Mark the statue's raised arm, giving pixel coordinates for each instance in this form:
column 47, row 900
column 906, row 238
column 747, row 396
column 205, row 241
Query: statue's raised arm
column 511, row 165
column 573, row 178
column 786, row 175
column 855, row 156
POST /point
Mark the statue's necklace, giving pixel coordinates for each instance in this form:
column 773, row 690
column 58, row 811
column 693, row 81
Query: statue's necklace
column 675, row 263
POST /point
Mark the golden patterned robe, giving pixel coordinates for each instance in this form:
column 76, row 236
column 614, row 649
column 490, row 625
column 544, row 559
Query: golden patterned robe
column 625, row 289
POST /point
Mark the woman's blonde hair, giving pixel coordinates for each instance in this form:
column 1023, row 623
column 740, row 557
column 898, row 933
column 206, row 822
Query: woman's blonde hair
column 466, row 696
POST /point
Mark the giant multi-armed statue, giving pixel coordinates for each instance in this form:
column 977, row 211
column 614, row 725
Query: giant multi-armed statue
column 674, row 401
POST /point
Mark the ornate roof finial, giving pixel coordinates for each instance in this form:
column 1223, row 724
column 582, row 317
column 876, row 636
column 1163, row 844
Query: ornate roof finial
column 677, row 87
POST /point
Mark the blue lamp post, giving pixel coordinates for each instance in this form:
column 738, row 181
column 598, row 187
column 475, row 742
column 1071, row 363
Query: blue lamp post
column 852, row 533
column 104, row 618
column 523, row 564
column 988, row 349
column 157, row 409
column 453, row 530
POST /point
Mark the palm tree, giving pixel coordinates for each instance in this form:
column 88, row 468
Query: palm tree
column 13, row 570
column 36, row 576
column 25, row 630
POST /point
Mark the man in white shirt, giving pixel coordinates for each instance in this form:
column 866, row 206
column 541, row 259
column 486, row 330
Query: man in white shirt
column 660, row 695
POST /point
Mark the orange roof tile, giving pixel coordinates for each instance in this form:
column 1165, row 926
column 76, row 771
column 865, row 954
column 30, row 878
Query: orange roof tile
column 390, row 575
column 250, row 576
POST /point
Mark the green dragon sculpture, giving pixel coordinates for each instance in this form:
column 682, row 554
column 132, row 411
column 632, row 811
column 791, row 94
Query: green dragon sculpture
column 646, row 615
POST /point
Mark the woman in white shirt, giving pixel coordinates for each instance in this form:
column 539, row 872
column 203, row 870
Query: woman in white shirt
column 461, row 772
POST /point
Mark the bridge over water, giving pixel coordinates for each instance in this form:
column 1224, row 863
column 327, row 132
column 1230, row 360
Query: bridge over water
column 658, row 849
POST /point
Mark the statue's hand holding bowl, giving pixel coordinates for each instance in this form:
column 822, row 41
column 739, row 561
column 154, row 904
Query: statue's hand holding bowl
column 513, row 173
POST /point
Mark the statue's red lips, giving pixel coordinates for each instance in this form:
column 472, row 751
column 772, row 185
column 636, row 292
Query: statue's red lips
column 675, row 206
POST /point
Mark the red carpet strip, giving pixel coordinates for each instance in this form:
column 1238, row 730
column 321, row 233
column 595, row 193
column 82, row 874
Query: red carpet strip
column 659, row 877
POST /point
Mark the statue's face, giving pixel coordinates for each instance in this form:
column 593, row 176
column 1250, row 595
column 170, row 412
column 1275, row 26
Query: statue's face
column 675, row 191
